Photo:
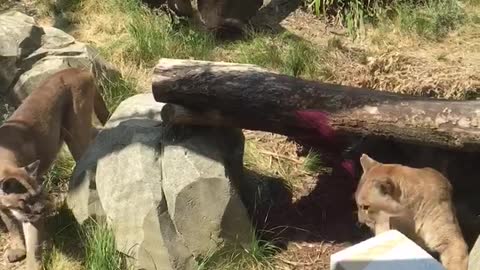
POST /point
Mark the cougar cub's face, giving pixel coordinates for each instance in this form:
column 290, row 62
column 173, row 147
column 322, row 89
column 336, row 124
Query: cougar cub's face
column 376, row 191
column 20, row 191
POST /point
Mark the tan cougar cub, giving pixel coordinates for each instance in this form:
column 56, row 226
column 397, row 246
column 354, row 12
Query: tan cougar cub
column 416, row 202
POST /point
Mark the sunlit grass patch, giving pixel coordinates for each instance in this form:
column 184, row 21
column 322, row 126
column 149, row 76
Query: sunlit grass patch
column 257, row 256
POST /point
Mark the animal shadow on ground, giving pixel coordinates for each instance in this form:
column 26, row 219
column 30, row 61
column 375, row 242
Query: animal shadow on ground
column 326, row 213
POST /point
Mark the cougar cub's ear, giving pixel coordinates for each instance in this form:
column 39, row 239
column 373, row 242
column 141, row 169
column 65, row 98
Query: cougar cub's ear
column 367, row 162
column 32, row 169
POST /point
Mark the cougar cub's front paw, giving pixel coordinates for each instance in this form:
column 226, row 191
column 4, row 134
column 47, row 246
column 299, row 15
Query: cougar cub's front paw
column 15, row 255
column 33, row 265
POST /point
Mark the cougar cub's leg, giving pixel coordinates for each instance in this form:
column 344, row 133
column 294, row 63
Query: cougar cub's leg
column 78, row 136
column 455, row 255
column 33, row 243
column 16, row 252
column 448, row 243
column 77, row 131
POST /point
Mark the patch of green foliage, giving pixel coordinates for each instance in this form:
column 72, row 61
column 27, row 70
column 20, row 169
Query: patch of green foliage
column 285, row 53
column 116, row 88
column 153, row 36
column 313, row 162
column 431, row 19
column 257, row 256
column 100, row 249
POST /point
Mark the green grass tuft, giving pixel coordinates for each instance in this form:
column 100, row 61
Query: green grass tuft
column 433, row 21
column 475, row 19
column 115, row 89
column 313, row 162
column 284, row 53
column 59, row 174
column 153, row 37
column 300, row 59
column 262, row 50
column 100, row 249
column 351, row 13
column 64, row 232
column 127, row 6
column 257, row 256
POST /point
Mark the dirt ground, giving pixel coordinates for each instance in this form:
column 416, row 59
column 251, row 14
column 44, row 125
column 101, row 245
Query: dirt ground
column 4, row 264
column 317, row 217
column 316, row 224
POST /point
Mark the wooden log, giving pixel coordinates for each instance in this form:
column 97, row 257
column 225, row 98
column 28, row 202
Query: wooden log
column 249, row 97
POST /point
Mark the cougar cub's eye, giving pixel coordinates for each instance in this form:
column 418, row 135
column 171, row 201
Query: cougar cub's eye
column 10, row 186
column 364, row 207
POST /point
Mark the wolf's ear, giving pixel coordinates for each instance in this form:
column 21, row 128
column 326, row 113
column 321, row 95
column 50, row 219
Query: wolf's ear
column 367, row 162
column 32, row 169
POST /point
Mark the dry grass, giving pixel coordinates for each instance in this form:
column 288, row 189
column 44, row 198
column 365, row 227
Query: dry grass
column 273, row 155
column 57, row 260
column 414, row 75
column 446, row 70
column 389, row 58
column 404, row 63
column 103, row 24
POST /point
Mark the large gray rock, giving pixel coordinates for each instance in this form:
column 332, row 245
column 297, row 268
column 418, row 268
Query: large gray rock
column 30, row 53
column 474, row 257
column 167, row 192
column 19, row 37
